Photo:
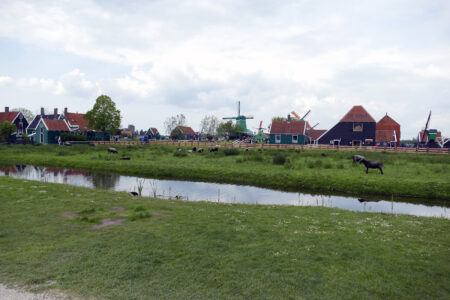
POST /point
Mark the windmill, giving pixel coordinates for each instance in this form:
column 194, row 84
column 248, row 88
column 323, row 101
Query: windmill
column 260, row 137
column 298, row 118
column 241, row 120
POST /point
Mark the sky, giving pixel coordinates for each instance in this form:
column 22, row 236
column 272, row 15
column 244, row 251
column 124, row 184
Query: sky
column 160, row 58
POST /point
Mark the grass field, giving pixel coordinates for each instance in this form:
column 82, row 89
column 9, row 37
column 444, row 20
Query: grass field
column 409, row 175
column 178, row 250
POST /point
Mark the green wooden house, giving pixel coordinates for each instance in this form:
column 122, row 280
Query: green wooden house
column 47, row 131
column 153, row 134
column 288, row 132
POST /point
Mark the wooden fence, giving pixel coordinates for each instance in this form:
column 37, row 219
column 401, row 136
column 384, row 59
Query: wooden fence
column 278, row 146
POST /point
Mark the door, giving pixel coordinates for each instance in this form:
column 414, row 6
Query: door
column 356, row 143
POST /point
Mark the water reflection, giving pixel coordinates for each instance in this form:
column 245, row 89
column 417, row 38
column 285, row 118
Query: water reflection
column 225, row 193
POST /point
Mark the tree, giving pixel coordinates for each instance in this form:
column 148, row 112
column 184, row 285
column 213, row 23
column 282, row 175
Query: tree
column 104, row 116
column 29, row 115
column 229, row 130
column 208, row 125
column 176, row 134
column 171, row 123
column 6, row 129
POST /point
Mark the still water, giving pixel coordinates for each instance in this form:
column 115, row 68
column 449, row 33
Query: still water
column 216, row 192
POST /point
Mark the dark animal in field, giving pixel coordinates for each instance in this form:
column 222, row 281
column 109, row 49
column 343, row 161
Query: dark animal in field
column 125, row 158
column 194, row 149
column 215, row 149
column 112, row 150
column 357, row 158
column 200, row 150
column 134, row 193
column 371, row 165
column 246, row 150
column 323, row 154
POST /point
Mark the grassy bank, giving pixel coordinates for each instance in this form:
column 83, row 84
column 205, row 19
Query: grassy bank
column 172, row 249
column 408, row 175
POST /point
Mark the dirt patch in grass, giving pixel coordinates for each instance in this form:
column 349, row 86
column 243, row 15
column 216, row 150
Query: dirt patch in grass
column 109, row 222
column 117, row 208
column 68, row 215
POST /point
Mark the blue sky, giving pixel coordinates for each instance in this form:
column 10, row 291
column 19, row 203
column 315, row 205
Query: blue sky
column 156, row 59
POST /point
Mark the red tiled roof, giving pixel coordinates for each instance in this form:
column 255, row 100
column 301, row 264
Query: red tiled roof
column 186, row 130
column 77, row 119
column 154, row 130
column 314, row 134
column 8, row 116
column 283, row 127
column 385, row 136
column 357, row 114
column 387, row 121
column 60, row 125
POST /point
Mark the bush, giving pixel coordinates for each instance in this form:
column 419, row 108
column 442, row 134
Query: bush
column 231, row 151
column 279, row 159
column 72, row 137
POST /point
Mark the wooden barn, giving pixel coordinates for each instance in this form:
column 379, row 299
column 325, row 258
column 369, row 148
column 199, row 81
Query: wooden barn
column 288, row 132
column 387, row 132
column 31, row 129
column 17, row 118
column 187, row 132
column 356, row 128
column 153, row 134
column 48, row 131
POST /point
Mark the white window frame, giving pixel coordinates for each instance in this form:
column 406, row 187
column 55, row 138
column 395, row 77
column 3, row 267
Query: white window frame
column 278, row 138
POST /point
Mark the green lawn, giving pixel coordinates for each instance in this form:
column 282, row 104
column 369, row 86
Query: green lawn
column 183, row 250
column 409, row 175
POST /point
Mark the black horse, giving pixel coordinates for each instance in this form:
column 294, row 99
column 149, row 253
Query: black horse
column 371, row 165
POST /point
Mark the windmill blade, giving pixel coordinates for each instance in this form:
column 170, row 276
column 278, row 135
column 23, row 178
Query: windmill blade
column 425, row 131
column 249, row 117
column 314, row 126
column 260, row 124
column 229, row 118
column 307, row 113
column 296, row 115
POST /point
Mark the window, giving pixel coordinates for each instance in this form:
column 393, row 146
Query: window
column 278, row 138
column 295, row 139
column 357, row 127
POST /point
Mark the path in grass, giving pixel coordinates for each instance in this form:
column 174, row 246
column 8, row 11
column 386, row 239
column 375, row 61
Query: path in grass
column 177, row 250
column 408, row 175
column 8, row 293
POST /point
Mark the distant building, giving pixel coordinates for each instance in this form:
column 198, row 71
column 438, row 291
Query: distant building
column 387, row 132
column 288, row 132
column 187, row 132
column 78, row 123
column 17, row 118
column 153, row 134
column 314, row 134
column 31, row 129
column 48, row 130
column 131, row 128
column 356, row 128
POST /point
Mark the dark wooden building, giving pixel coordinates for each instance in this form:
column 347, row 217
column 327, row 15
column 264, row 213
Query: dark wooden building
column 17, row 118
column 356, row 128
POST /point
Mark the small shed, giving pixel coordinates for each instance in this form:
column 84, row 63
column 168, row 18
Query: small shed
column 314, row 134
column 356, row 128
column 288, row 132
column 48, row 131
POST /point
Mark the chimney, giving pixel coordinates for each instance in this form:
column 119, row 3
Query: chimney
column 42, row 111
column 289, row 118
column 55, row 112
column 6, row 109
column 65, row 112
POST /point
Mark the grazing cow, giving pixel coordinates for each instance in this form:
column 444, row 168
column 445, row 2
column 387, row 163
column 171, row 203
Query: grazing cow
column 200, row 150
column 112, row 150
column 134, row 193
column 357, row 158
column 246, row 150
column 189, row 151
column 215, row 149
column 323, row 155
column 371, row 165
column 194, row 149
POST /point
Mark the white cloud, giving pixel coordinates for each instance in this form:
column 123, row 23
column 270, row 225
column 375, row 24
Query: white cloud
column 4, row 80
